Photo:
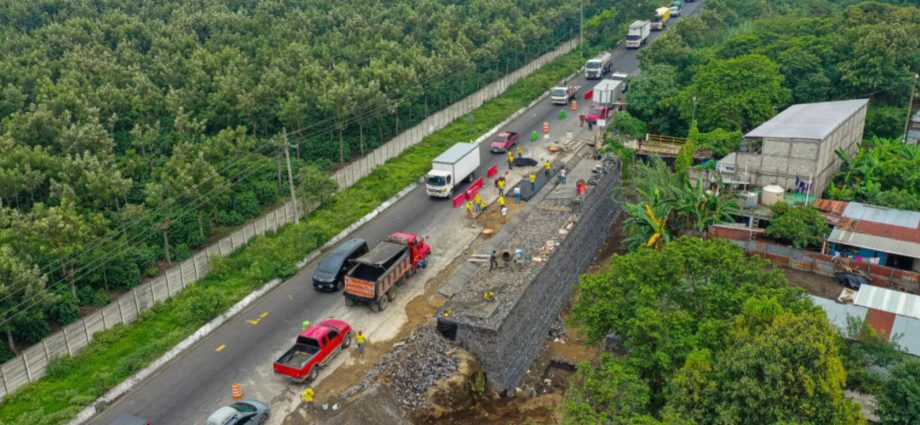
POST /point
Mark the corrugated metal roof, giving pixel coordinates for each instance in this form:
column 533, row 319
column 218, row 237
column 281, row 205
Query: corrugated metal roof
column 830, row 206
column 877, row 243
column 455, row 153
column 903, row 218
column 837, row 313
column 808, row 120
column 906, row 333
column 883, row 299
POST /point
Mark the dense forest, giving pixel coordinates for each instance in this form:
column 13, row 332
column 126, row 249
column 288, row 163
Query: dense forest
column 131, row 132
column 741, row 72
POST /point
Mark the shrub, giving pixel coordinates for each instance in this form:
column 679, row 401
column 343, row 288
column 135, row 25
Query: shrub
column 801, row 226
column 65, row 311
column 30, row 328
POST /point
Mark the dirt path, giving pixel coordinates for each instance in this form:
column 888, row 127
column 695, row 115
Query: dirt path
column 814, row 284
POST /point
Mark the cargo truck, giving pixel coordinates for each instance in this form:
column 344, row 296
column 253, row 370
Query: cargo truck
column 598, row 66
column 374, row 277
column 607, row 92
column 315, row 347
column 660, row 21
column 638, row 34
column 450, row 168
column 563, row 93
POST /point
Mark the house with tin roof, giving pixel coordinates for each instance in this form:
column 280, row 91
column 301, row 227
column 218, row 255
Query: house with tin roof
column 873, row 234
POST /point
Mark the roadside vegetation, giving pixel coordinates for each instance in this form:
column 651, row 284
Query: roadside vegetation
column 885, row 172
column 132, row 133
column 116, row 354
column 708, row 337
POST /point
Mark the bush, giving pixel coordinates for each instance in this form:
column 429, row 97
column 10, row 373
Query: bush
column 5, row 353
column 206, row 306
column 65, row 311
column 95, row 297
column 30, row 328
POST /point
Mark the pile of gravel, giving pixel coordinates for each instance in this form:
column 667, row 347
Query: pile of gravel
column 411, row 367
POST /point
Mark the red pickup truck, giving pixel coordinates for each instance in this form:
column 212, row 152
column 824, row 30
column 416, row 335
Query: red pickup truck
column 598, row 113
column 504, row 141
column 315, row 347
column 373, row 277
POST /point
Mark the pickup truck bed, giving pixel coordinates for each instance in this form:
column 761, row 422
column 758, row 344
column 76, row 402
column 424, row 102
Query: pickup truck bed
column 298, row 356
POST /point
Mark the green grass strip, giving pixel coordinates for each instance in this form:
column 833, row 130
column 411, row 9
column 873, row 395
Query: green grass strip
column 114, row 355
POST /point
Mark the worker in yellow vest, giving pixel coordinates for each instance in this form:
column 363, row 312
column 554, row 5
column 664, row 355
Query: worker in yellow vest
column 501, row 201
column 547, row 166
column 307, row 396
column 520, row 151
column 533, row 181
column 360, row 339
column 510, row 160
column 501, row 186
column 469, row 210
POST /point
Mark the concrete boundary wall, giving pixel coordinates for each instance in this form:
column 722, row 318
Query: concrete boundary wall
column 32, row 364
column 506, row 349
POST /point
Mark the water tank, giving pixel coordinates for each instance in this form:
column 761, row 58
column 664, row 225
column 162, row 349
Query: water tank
column 772, row 194
column 748, row 200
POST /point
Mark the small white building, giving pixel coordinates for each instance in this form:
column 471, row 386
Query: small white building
column 798, row 145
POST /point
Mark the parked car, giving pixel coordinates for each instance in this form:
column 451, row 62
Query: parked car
column 124, row 419
column 245, row 412
column 504, row 141
column 598, row 113
column 314, row 348
column 330, row 273
column 852, row 280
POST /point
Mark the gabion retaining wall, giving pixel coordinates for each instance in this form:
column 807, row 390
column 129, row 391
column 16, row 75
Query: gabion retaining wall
column 506, row 343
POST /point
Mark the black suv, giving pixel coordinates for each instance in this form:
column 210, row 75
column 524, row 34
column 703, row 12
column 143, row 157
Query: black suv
column 330, row 273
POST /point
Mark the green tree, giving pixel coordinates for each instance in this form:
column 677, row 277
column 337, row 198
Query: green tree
column 899, row 401
column 736, row 93
column 609, row 392
column 314, row 187
column 651, row 96
column 22, row 292
column 801, row 226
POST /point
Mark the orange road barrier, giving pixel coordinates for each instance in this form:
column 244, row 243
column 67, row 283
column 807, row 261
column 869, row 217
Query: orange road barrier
column 236, row 391
column 574, row 105
column 545, row 127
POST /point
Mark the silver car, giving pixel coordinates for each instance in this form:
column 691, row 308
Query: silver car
column 246, row 412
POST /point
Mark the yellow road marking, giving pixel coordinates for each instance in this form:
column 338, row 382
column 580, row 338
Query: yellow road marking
column 219, row 349
column 263, row 315
column 254, row 322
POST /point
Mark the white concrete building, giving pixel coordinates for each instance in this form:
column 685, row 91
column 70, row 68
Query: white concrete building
column 798, row 144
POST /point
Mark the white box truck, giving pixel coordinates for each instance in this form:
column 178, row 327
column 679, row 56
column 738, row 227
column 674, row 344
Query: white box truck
column 451, row 168
column 638, row 34
column 608, row 91
column 598, row 66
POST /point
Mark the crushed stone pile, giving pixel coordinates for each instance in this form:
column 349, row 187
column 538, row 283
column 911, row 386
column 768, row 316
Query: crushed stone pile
column 411, row 367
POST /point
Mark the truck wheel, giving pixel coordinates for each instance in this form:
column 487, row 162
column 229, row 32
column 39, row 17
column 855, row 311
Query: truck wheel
column 339, row 285
column 392, row 294
column 383, row 302
column 313, row 374
column 346, row 342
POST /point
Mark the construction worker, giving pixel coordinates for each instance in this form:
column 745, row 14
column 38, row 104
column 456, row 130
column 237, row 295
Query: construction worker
column 517, row 193
column 501, row 201
column 483, row 205
column 504, row 213
column 533, row 181
column 477, row 202
column 360, row 340
column 469, row 209
column 520, row 150
column 489, row 296
column 501, row 186
column 581, row 119
column 510, row 160
column 547, row 166
column 493, row 261
column 307, row 396
column 562, row 173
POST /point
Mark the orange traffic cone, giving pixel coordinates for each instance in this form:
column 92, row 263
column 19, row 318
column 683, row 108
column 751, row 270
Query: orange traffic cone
column 545, row 127
column 236, row 391
column 574, row 105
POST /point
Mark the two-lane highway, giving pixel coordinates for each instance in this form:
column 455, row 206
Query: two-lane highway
column 196, row 383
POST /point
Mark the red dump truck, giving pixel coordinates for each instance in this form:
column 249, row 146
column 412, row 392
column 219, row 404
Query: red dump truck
column 373, row 277
column 315, row 347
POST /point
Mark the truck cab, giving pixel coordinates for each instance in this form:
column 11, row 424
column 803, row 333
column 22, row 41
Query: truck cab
column 419, row 250
column 660, row 21
column 450, row 168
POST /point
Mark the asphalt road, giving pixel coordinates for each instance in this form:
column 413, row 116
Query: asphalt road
column 196, row 383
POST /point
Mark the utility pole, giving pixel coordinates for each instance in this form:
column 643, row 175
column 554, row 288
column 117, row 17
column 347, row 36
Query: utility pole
column 910, row 103
column 581, row 29
column 287, row 158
